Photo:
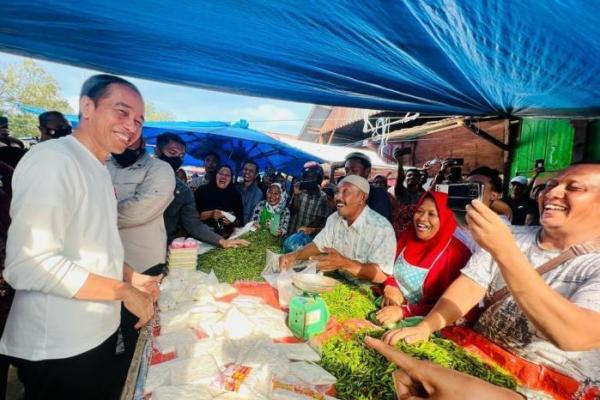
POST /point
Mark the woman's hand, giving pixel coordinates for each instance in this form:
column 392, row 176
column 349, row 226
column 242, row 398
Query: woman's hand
column 417, row 380
column 419, row 333
column 392, row 296
column 389, row 315
column 217, row 215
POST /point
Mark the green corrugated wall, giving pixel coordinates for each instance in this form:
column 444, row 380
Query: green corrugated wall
column 550, row 139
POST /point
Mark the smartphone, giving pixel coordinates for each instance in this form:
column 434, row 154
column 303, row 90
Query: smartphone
column 454, row 162
column 539, row 165
column 462, row 194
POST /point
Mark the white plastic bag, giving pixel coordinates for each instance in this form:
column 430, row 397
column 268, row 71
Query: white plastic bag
column 299, row 352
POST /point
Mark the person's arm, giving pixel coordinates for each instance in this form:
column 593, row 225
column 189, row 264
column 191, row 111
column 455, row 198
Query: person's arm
column 400, row 177
column 193, row 225
column 284, row 222
column 151, row 197
column 567, row 325
column 456, row 302
column 257, row 210
column 441, row 175
column 432, row 381
column 286, row 261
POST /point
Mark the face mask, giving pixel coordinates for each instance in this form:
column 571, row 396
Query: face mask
column 174, row 162
column 128, row 157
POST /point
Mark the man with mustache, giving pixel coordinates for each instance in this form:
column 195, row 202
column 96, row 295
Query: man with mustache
column 551, row 318
column 356, row 240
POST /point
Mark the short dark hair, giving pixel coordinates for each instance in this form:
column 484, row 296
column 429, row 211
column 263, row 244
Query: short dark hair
column 491, row 173
column 3, row 121
column 362, row 157
column 96, row 87
column 44, row 117
column 251, row 162
column 212, row 153
column 165, row 138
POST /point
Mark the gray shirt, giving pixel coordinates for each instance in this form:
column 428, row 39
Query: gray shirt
column 250, row 199
column 144, row 190
column 578, row 280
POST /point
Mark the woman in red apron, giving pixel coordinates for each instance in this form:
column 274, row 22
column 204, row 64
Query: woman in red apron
column 429, row 258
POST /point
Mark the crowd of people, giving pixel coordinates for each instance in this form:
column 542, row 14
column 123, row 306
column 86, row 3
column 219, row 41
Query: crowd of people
column 92, row 213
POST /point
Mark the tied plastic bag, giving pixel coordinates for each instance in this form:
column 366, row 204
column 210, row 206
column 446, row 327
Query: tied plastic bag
column 282, row 280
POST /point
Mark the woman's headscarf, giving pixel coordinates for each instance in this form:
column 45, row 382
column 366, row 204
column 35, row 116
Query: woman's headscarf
column 277, row 208
column 423, row 253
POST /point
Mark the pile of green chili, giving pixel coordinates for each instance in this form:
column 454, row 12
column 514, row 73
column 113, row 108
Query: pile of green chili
column 363, row 374
column 242, row 263
column 348, row 301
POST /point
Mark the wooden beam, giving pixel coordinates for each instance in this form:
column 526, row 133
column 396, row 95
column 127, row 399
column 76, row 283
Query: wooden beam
column 486, row 136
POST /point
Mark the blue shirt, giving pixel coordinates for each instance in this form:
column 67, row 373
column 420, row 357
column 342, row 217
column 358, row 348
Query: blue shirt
column 250, row 199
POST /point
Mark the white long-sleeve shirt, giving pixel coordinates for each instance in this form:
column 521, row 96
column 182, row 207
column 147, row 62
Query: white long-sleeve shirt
column 64, row 227
column 144, row 191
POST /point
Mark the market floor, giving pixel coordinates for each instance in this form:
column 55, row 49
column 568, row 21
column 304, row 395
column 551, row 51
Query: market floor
column 14, row 388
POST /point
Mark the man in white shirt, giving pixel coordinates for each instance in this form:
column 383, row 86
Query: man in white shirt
column 64, row 256
column 356, row 240
column 144, row 187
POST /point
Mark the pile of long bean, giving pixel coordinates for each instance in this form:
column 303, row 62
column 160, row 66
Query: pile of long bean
column 348, row 301
column 242, row 263
column 364, row 374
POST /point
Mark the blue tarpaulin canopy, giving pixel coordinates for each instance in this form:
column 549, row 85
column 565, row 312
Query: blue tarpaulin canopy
column 235, row 143
column 488, row 57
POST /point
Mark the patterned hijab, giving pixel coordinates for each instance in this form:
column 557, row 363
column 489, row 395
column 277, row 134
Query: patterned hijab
column 277, row 208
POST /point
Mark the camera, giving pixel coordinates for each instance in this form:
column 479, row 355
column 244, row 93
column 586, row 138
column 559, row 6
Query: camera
column 461, row 194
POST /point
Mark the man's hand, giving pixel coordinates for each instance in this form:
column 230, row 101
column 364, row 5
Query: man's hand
column 398, row 155
column 488, row 230
column 330, row 260
column 416, row 379
column 297, row 190
column 147, row 284
column 286, row 261
column 419, row 333
column 139, row 304
column 392, row 296
column 233, row 243
column 389, row 315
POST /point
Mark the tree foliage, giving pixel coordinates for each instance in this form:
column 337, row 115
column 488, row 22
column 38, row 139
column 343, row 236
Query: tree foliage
column 28, row 83
column 152, row 113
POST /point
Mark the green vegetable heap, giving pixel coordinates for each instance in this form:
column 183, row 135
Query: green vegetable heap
column 347, row 301
column 242, row 263
column 363, row 374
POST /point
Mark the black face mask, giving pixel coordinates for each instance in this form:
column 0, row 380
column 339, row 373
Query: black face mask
column 174, row 162
column 128, row 157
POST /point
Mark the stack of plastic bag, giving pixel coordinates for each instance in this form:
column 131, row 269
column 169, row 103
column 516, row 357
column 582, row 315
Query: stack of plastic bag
column 183, row 253
column 226, row 350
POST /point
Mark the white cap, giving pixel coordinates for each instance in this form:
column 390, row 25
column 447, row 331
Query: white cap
column 520, row 180
column 357, row 181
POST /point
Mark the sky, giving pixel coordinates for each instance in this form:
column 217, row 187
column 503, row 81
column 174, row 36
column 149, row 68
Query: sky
column 186, row 103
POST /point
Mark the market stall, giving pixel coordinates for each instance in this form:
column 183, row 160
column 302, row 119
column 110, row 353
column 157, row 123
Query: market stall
column 223, row 332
